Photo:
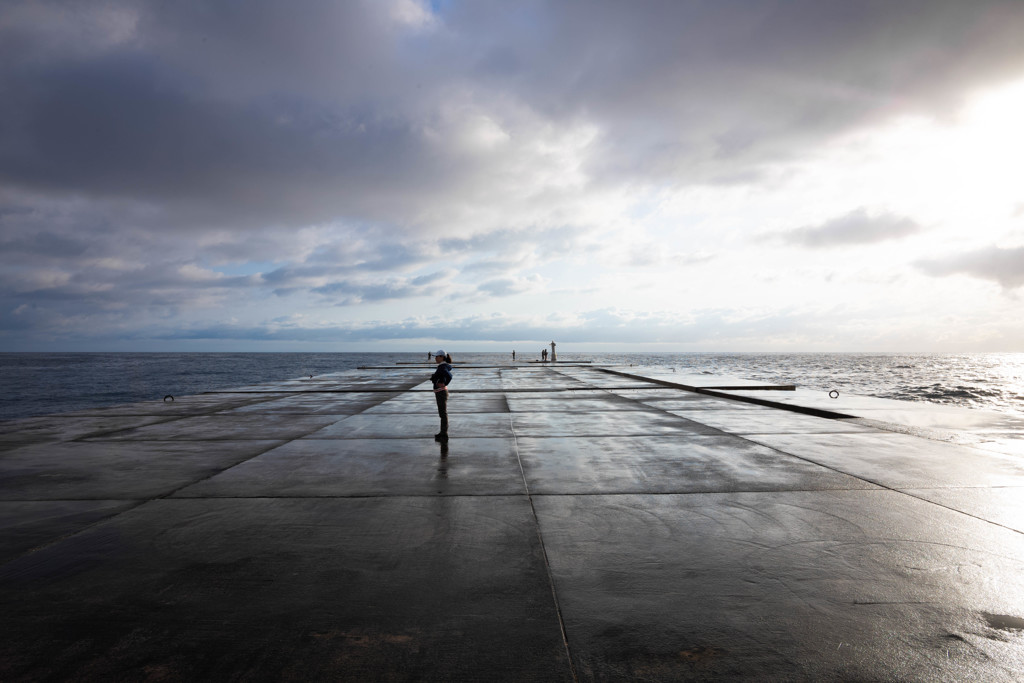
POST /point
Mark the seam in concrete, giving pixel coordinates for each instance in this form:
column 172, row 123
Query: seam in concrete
column 139, row 503
column 688, row 387
column 543, row 550
column 522, row 390
column 589, row 494
column 791, row 407
column 283, row 442
column 892, row 427
column 882, row 486
column 717, row 393
column 829, row 467
column 170, row 418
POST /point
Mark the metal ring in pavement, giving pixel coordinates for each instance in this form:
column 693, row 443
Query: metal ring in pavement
column 168, row 396
column 833, row 394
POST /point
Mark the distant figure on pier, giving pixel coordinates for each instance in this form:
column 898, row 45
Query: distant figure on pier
column 513, row 354
column 440, row 380
column 544, row 355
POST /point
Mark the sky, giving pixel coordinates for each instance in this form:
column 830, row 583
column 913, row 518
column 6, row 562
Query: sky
column 804, row 175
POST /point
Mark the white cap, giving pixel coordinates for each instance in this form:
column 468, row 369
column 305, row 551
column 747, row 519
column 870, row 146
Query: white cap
column 439, row 352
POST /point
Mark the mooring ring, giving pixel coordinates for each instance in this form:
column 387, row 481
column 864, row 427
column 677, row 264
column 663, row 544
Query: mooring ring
column 833, row 394
column 168, row 396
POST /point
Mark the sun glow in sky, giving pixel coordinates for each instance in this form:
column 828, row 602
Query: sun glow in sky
column 399, row 174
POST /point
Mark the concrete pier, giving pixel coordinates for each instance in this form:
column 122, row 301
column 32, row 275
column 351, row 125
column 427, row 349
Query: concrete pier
column 580, row 525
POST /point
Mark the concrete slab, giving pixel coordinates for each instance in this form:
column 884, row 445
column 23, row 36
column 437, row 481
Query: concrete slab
column 838, row 585
column 37, row 430
column 372, row 467
column 313, row 530
column 900, row 461
column 999, row 505
column 102, row 470
column 674, row 401
column 426, row 588
column 667, row 464
column 457, row 403
column 417, row 426
column 908, row 413
column 625, row 423
column 181, row 406
column 315, row 403
column 564, row 402
column 544, row 379
column 695, row 380
column 659, row 393
column 28, row 525
column 769, row 421
column 227, row 428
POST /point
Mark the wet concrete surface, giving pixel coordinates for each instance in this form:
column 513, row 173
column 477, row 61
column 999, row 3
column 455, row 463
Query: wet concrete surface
column 578, row 525
column 900, row 460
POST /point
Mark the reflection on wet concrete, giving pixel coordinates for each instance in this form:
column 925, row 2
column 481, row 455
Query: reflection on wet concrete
column 578, row 525
column 442, row 465
column 1004, row 622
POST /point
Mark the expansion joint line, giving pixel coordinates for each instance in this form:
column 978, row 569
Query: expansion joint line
column 882, row 486
column 277, row 443
column 833, row 468
column 543, row 550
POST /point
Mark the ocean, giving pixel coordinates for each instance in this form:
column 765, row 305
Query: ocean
column 44, row 383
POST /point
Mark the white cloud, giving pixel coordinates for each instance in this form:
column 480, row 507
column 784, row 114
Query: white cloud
column 413, row 14
column 856, row 227
column 1005, row 266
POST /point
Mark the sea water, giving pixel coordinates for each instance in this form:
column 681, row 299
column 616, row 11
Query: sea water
column 43, row 383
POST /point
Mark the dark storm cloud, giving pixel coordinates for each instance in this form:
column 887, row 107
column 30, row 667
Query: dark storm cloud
column 856, row 227
column 43, row 243
column 121, row 127
column 303, row 114
column 1005, row 266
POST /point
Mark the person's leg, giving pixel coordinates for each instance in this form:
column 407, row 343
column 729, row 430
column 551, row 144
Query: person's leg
column 442, row 412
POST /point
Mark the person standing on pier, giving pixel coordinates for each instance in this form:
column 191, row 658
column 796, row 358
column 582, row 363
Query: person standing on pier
column 440, row 380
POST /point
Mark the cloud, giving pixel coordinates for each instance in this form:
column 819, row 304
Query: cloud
column 711, row 328
column 602, row 325
column 348, row 292
column 510, row 286
column 261, row 111
column 856, row 227
column 1005, row 266
column 160, row 160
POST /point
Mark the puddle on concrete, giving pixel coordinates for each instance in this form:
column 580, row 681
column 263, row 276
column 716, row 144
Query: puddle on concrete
column 1004, row 622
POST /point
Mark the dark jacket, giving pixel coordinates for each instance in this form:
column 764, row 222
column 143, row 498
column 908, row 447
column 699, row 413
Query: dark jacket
column 443, row 375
